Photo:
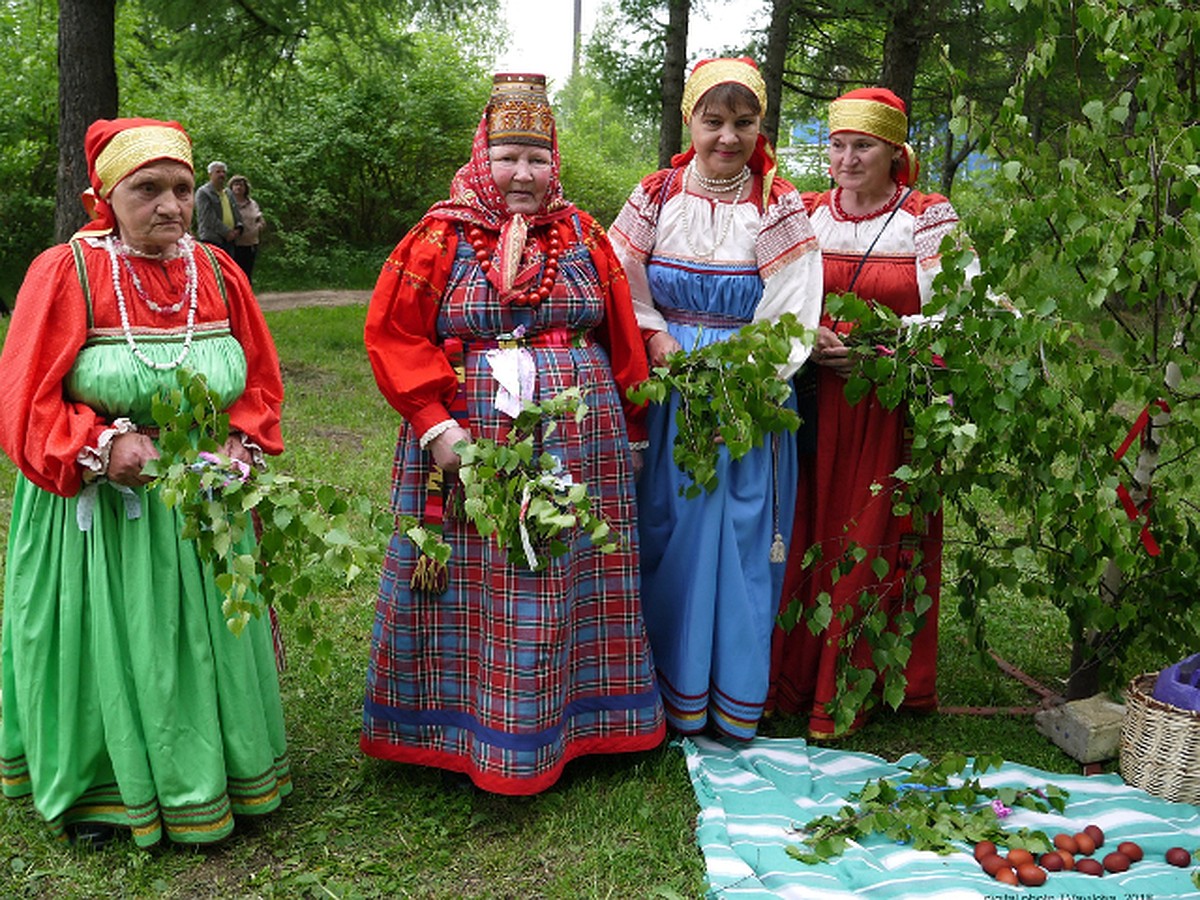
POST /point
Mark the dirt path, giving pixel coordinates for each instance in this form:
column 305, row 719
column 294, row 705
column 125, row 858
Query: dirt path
column 293, row 299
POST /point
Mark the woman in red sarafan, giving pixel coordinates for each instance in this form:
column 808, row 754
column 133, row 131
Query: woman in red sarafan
column 879, row 238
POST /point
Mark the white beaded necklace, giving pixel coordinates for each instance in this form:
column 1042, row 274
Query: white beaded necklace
column 125, row 251
column 187, row 250
column 726, row 223
column 719, row 185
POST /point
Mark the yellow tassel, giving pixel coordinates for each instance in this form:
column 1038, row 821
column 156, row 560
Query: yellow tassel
column 778, row 549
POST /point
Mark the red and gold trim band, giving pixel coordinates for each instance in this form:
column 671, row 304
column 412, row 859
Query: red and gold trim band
column 134, row 147
column 720, row 71
column 869, row 117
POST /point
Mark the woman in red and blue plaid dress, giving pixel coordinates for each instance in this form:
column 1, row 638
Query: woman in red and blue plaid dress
column 509, row 673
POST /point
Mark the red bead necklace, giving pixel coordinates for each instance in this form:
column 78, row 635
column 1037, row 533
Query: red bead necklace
column 842, row 214
column 541, row 287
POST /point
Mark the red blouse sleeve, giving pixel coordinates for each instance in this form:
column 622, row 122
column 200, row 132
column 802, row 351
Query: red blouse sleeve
column 256, row 413
column 618, row 334
column 41, row 431
column 410, row 368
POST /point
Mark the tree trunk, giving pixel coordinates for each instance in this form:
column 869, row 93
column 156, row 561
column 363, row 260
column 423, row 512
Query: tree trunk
column 576, row 38
column 87, row 90
column 902, row 48
column 778, row 35
column 670, row 135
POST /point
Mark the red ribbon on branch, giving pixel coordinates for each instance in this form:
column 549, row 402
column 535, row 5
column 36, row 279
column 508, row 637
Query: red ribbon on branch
column 1132, row 509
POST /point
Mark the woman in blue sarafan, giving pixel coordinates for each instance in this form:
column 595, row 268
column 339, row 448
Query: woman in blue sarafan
column 711, row 244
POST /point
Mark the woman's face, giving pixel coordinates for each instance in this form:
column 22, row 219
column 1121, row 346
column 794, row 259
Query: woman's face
column 723, row 138
column 239, row 189
column 861, row 163
column 522, row 173
column 153, row 205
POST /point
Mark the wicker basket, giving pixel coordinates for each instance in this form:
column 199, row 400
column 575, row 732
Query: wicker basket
column 1160, row 744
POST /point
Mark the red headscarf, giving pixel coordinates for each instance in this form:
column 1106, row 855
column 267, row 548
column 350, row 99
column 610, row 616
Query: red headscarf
column 707, row 74
column 881, row 114
column 475, row 200
column 117, row 147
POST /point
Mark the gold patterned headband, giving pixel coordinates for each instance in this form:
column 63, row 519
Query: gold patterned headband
column 869, row 117
column 709, row 74
column 134, row 147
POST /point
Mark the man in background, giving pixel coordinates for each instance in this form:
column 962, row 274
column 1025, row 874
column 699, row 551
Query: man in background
column 217, row 219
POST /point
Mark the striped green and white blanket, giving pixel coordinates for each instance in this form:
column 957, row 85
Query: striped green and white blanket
column 754, row 795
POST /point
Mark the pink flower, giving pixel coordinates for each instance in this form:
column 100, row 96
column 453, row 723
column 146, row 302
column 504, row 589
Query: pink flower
column 1000, row 809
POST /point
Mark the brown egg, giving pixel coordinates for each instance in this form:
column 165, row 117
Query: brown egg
column 1177, row 856
column 984, row 848
column 1116, row 861
column 1006, row 876
column 1066, row 842
column 1130, row 849
column 1067, row 858
column 993, row 864
column 1094, row 832
column 1031, row 875
column 1052, row 861
column 1089, row 867
column 1085, row 844
column 1018, row 857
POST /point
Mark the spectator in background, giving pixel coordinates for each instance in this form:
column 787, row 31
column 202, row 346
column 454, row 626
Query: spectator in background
column 217, row 219
column 245, row 245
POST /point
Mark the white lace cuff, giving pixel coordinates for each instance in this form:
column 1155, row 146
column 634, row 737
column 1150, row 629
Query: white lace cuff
column 94, row 460
column 639, row 445
column 436, row 431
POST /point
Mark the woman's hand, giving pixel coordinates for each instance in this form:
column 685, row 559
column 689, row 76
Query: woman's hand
column 659, row 347
column 442, row 448
column 829, row 351
column 235, row 449
column 128, row 455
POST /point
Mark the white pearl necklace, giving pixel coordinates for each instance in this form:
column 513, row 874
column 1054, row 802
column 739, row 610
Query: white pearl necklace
column 187, row 250
column 125, row 251
column 719, row 185
column 727, row 219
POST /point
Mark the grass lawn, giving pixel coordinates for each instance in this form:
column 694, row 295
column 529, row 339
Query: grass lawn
column 616, row 827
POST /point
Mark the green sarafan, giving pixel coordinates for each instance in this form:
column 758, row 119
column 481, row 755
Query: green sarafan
column 933, row 806
column 730, row 394
column 301, row 527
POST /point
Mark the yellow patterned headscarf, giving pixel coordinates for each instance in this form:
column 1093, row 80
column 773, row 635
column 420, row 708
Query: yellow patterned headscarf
column 881, row 114
column 711, row 72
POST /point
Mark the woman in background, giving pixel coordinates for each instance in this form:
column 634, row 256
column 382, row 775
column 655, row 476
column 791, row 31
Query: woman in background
column 245, row 245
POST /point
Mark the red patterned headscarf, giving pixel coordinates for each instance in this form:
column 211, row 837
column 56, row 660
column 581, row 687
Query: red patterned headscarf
column 707, row 74
column 474, row 197
column 881, row 114
column 115, row 148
